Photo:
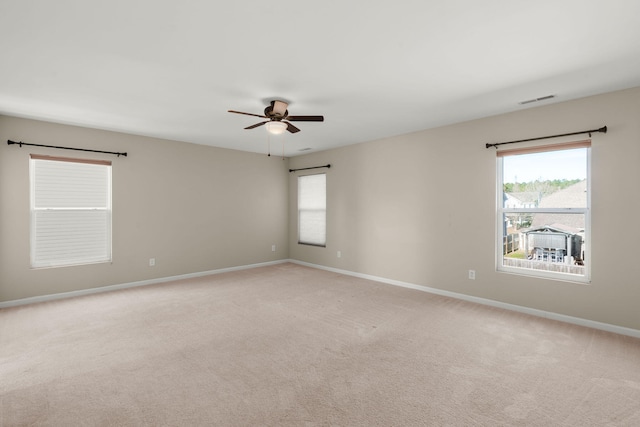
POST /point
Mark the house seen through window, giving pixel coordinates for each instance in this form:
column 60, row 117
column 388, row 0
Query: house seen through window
column 543, row 211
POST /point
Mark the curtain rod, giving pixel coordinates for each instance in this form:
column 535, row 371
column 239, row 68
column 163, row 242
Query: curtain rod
column 20, row 143
column 603, row 129
column 313, row 167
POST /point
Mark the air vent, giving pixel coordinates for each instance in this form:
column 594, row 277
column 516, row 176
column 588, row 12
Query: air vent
column 542, row 98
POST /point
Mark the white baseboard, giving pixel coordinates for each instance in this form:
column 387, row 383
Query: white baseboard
column 518, row 308
column 51, row 297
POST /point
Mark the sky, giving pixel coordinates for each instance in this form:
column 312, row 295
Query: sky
column 565, row 164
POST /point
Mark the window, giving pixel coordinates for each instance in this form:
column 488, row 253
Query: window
column 543, row 211
column 312, row 209
column 70, row 211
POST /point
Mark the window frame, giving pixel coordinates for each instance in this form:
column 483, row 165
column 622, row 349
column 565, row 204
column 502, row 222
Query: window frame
column 108, row 209
column 501, row 211
column 300, row 241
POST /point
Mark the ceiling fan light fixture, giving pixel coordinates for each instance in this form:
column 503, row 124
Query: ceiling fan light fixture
column 276, row 127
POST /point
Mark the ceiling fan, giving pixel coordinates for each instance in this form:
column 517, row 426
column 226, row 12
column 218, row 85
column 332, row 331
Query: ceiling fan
column 279, row 118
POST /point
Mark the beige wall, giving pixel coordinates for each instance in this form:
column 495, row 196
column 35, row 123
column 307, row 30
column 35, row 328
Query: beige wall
column 420, row 208
column 193, row 208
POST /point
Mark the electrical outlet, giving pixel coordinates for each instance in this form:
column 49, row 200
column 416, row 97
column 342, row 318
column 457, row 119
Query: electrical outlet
column 472, row 274
column 273, row 248
column 339, row 254
column 152, row 262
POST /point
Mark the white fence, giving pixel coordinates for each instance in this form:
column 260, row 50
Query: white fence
column 542, row 265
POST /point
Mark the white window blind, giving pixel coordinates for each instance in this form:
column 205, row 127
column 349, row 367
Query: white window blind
column 312, row 209
column 70, row 211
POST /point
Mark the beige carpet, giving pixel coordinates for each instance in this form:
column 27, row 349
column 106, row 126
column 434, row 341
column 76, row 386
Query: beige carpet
column 288, row 345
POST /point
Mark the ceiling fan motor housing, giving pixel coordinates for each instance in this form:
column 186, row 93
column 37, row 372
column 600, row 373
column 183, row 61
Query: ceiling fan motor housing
column 277, row 114
column 274, row 115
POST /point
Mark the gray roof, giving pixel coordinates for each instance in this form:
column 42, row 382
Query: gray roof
column 556, row 228
column 574, row 196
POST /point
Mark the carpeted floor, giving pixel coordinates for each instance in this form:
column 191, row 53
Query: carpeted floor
column 288, row 345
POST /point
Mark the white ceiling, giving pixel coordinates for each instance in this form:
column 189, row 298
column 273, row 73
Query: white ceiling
column 172, row 69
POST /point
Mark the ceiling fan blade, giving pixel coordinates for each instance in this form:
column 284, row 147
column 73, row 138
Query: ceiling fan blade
column 247, row 114
column 279, row 107
column 306, row 118
column 256, row 125
column 291, row 128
